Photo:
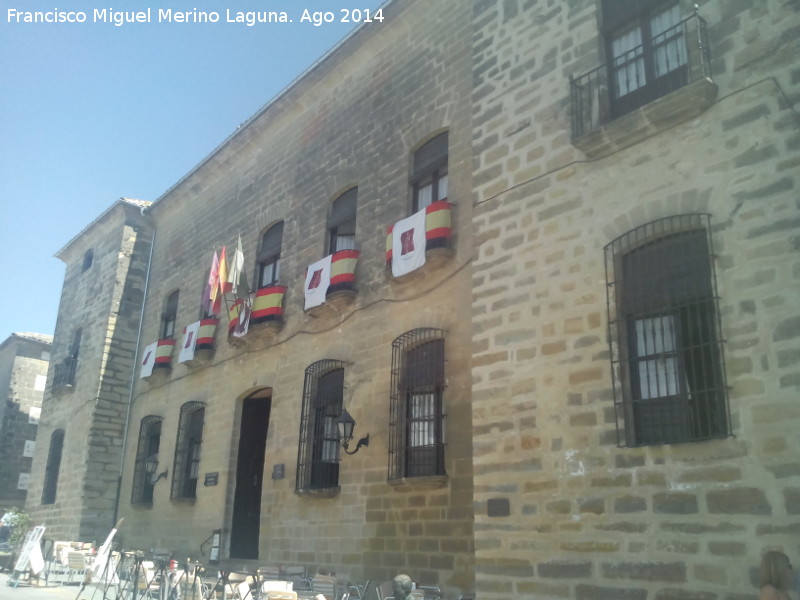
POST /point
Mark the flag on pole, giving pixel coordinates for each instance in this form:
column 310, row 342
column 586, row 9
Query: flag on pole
column 222, row 277
column 212, row 287
column 236, row 279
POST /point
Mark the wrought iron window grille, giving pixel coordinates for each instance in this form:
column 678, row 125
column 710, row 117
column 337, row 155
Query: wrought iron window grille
column 667, row 359
column 186, row 467
column 318, row 452
column 416, row 405
column 148, row 446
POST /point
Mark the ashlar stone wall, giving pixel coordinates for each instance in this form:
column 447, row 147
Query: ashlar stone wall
column 561, row 510
column 103, row 301
column 23, row 370
column 355, row 119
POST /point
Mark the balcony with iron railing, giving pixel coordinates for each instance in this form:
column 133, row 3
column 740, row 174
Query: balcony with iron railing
column 64, row 374
column 646, row 88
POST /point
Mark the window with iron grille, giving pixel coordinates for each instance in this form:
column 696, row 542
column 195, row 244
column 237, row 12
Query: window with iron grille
column 169, row 317
column 318, row 454
column 186, row 469
column 667, row 354
column 65, row 371
column 269, row 256
column 416, row 416
column 53, row 467
column 429, row 175
column 149, row 443
column 342, row 222
column 647, row 49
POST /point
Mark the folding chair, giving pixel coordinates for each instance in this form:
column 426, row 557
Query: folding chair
column 76, row 565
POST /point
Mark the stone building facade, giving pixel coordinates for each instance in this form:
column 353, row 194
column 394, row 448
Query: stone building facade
column 589, row 388
column 24, row 358
column 604, row 466
column 378, row 115
column 76, row 469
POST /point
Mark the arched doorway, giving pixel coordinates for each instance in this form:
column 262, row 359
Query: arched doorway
column 246, row 520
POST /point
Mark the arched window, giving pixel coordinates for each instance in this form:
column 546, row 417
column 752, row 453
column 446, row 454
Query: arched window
column 88, row 257
column 429, row 175
column 416, row 439
column 269, row 256
column 146, row 467
column 318, row 455
column 53, row 467
column 667, row 355
column 169, row 316
column 342, row 222
column 186, row 469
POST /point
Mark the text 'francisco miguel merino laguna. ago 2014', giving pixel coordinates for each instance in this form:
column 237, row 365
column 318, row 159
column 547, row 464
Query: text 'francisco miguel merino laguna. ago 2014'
column 169, row 15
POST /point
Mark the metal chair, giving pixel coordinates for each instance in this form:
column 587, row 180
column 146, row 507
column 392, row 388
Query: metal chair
column 325, row 585
column 385, row 591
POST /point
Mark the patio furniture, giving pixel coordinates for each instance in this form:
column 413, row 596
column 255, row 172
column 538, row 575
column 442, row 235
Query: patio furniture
column 75, row 565
column 244, row 591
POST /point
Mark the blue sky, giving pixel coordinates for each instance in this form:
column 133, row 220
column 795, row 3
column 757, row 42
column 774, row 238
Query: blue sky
column 91, row 112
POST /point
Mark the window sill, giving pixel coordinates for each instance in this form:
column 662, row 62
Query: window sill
column 665, row 112
column 418, row 484
column 320, row 492
column 64, row 388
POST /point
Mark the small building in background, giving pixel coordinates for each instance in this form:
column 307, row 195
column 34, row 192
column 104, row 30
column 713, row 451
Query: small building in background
column 24, row 359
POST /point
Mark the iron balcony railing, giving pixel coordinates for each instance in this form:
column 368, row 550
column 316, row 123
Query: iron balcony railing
column 662, row 64
column 64, row 375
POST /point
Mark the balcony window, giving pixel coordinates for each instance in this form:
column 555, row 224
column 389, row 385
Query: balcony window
column 269, row 256
column 169, row 317
column 651, row 53
column 342, row 222
column 429, row 174
column 667, row 358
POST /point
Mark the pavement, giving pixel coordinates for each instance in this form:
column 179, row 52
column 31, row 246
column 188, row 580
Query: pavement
column 39, row 590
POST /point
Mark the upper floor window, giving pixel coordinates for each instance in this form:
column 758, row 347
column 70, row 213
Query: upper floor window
column 170, row 316
column 342, row 222
column 429, row 175
column 64, row 374
column 269, row 256
column 186, row 469
column 668, row 351
column 318, row 454
column 416, row 439
column 646, row 46
column 146, row 465
column 88, row 257
column 53, row 467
